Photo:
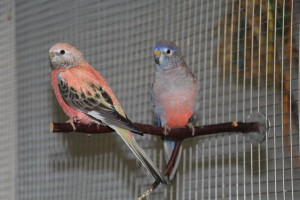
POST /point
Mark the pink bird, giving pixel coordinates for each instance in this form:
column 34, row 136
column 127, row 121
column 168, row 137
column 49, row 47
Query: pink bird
column 86, row 98
column 174, row 93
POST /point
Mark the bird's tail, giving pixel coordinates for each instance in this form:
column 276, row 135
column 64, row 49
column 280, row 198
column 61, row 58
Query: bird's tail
column 169, row 148
column 128, row 138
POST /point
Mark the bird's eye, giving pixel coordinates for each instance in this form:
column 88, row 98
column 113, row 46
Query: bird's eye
column 62, row 52
column 168, row 51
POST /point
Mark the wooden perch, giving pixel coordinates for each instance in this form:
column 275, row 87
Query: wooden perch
column 178, row 134
column 175, row 134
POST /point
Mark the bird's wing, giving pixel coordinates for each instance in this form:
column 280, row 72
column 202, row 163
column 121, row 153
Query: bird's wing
column 95, row 102
column 156, row 115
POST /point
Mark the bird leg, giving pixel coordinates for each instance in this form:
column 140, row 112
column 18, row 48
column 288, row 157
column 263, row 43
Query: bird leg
column 167, row 130
column 191, row 126
column 72, row 120
column 98, row 123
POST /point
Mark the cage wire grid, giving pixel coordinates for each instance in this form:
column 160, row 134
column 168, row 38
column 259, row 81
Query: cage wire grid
column 8, row 102
column 243, row 52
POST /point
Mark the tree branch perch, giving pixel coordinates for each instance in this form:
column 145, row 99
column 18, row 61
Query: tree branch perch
column 178, row 134
column 175, row 134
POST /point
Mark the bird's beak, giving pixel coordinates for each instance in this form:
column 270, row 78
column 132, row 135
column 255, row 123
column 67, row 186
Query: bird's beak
column 51, row 54
column 157, row 54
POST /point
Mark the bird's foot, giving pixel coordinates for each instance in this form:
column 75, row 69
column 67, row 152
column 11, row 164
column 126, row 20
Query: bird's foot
column 99, row 124
column 191, row 126
column 72, row 121
column 167, row 130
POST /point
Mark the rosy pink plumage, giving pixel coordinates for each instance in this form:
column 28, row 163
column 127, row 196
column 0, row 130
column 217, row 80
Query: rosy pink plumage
column 85, row 97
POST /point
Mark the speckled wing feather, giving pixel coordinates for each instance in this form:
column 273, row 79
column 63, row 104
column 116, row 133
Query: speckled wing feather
column 98, row 105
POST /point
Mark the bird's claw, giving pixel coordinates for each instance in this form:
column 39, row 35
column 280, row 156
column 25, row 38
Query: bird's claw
column 191, row 126
column 72, row 120
column 98, row 125
column 72, row 124
column 167, row 130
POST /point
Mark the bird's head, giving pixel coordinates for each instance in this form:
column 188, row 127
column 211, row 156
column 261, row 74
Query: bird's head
column 166, row 55
column 63, row 55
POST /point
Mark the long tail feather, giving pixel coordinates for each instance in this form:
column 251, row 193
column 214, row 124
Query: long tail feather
column 140, row 154
column 169, row 148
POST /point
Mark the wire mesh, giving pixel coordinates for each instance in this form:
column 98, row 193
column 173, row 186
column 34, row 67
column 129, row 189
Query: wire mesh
column 8, row 101
column 243, row 52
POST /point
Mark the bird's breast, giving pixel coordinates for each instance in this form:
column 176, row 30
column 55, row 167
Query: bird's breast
column 71, row 112
column 177, row 107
